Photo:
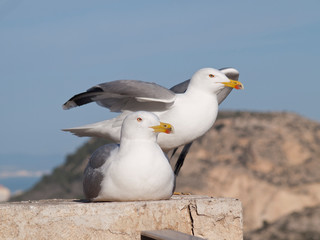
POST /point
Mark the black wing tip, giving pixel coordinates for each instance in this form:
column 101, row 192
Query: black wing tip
column 69, row 104
column 82, row 98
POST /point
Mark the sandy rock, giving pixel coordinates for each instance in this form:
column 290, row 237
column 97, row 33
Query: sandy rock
column 211, row 218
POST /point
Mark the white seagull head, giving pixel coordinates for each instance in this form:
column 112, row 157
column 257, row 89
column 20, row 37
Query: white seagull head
column 143, row 125
column 212, row 80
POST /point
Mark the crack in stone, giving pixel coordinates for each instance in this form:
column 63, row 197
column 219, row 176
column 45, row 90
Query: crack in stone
column 191, row 219
column 117, row 233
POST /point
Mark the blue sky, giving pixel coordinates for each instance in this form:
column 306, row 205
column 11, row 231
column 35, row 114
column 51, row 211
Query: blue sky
column 51, row 50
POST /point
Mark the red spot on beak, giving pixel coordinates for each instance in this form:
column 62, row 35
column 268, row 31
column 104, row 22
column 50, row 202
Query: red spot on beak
column 238, row 86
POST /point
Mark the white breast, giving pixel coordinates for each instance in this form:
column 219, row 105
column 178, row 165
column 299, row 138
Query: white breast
column 193, row 116
column 140, row 175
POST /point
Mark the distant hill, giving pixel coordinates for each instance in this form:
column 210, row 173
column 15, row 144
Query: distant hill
column 66, row 180
column 303, row 225
column 270, row 161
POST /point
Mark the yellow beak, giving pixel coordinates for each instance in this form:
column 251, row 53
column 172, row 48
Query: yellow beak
column 233, row 84
column 163, row 127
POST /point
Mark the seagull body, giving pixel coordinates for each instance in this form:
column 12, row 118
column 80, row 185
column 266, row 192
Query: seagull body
column 137, row 169
column 192, row 111
column 187, row 115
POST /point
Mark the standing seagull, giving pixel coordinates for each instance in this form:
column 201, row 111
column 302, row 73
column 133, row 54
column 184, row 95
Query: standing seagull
column 192, row 112
column 137, row 169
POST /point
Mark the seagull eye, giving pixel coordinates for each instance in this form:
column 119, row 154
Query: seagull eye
column 139, row 119
column 211, row 75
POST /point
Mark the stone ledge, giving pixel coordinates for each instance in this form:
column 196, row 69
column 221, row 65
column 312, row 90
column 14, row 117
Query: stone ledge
column 202, row 216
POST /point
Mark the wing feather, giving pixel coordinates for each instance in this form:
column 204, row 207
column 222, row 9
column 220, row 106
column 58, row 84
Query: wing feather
column 123, row 95
column 93, row 176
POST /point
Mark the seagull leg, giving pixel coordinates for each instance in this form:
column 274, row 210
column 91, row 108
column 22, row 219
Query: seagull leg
column 174, row 152
column 181, row 158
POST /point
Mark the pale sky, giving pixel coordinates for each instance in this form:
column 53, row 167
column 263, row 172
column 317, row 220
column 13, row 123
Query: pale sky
column 51, row 50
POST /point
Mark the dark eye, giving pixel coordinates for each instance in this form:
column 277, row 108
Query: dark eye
column 139, row 119
column 211, row 75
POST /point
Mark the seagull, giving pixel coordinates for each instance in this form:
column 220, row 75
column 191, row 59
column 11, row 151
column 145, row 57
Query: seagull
column 191, row 105
column 137, row 169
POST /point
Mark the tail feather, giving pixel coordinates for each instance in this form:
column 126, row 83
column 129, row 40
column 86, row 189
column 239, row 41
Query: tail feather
column 84, row 132
column 104, row 129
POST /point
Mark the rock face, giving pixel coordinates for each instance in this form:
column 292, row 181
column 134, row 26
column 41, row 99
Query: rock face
column 211, row 218
column 271, row 162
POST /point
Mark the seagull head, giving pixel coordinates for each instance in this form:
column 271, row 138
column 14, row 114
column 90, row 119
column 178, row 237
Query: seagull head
column 144, row 125
column 213, row 80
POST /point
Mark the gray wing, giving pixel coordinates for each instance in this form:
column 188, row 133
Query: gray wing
column 92, row 174
column 231, row 73
column 122, row 95
column 180, row 87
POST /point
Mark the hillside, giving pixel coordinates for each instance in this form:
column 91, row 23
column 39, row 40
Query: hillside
column 268, row 160
column 296, row 226
column 65, row 180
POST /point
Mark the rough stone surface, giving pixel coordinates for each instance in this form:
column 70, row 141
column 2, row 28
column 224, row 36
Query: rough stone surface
column 211, row 218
